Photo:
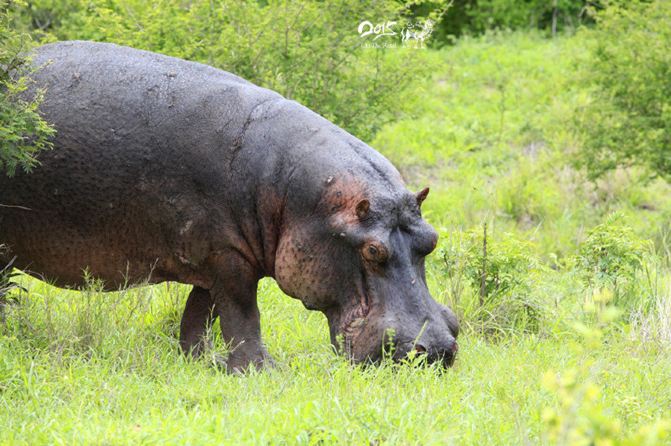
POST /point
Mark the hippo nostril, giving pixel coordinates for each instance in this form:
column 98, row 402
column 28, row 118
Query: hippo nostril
column 420, row 348
column 451, row 354
column 444, row 355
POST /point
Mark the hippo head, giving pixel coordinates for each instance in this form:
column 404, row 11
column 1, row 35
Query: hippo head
column 358, row 257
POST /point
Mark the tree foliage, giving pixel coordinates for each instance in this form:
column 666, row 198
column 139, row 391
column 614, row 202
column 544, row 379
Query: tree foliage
column 475, row 17
column 310, row 51
column 628, row 120
column 22, row 131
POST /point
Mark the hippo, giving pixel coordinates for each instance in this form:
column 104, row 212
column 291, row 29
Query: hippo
column 169, row 170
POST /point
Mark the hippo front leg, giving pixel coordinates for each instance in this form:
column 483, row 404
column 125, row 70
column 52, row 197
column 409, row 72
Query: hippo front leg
column 234, row 295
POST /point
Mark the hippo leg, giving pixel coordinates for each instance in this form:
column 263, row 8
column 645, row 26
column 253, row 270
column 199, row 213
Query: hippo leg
column 196, row 322
column 236, row 305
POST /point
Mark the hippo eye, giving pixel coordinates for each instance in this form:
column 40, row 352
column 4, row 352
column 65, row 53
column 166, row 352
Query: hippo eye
column 375, row 252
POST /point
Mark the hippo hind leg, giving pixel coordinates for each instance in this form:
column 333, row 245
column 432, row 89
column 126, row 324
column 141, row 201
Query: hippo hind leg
column 196, row 322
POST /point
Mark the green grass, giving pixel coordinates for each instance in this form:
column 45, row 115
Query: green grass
column 116, row 379
column 489, row 133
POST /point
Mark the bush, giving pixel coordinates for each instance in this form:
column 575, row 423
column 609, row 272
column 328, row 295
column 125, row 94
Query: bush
column 493, row 291
column 513, row 14
column 22, row 131
column 478, row 16
column 610, row 258
column 628, row 120
column 579, row 416
column 309, row 51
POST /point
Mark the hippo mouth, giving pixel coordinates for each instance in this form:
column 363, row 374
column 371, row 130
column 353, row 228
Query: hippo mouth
column 362, row 340
column 396, row 350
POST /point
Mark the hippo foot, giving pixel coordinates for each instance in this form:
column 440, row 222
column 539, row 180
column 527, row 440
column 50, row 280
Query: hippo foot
column 241, row 362
column 237, row 361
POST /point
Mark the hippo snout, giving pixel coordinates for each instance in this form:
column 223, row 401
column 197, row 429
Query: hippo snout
column 431, row 335
column 444, row 352
column 439, row 343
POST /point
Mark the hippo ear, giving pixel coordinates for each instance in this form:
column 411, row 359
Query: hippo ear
column 421, row 196
column 362, row 209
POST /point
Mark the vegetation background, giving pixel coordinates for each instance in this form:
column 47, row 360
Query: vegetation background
column 542, row 126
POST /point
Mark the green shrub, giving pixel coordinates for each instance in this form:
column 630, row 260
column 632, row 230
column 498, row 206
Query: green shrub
column 580, row 417
column 513, row 14
column 309, row 51
column 628, row 120
column 494, row 290
column 610, row 258
column 479, row 16
column 22, row 131
column 577, row 412
column 507, row 262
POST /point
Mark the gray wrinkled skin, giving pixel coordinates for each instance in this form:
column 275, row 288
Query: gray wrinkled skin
column 167, row 170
